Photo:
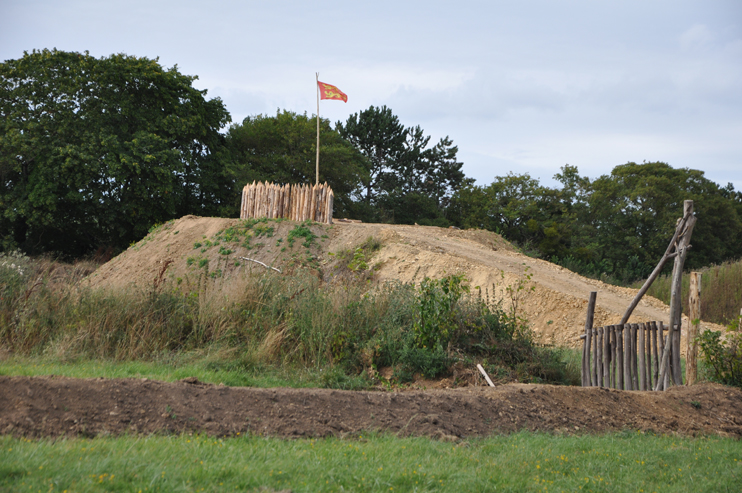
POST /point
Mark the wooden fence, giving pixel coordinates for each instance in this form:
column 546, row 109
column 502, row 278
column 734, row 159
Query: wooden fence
column 627, row 357
column 295, row 202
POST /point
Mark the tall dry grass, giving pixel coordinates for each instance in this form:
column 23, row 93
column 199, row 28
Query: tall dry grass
column 258, row 318
column 721, row 291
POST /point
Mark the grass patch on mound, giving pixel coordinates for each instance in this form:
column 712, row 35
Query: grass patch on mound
column 519, row 462
column 270, row 320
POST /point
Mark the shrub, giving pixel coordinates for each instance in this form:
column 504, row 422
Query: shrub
column 722, row 359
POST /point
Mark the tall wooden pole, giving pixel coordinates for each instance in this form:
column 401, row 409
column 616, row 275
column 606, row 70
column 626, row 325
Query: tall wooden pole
column 317, row 84
column 673, row 341
column 694, row 305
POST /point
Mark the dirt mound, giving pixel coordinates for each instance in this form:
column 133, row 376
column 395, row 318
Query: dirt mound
column 55, row 406
column 194, row 250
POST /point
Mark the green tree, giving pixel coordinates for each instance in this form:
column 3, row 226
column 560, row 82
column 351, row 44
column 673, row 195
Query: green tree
column 409, row 180
column 95, row 151
column 283, row 148
column 615, row 227
column 378, row 135
column 635, row 209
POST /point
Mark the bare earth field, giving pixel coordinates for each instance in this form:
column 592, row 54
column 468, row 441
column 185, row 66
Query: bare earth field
column 57, row 406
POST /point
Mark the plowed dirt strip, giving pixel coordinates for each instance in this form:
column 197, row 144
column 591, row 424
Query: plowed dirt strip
column 58, row 406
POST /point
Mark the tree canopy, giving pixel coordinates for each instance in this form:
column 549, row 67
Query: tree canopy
column 282, row 149
column 616, row 226
column 94, row 151
column 406, row 176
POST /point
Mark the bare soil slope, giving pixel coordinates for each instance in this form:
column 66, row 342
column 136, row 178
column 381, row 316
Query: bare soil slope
column 554, row 300
column 56, row 406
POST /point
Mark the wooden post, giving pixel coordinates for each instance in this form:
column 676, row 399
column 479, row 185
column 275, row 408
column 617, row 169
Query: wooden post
column 619, row 357
column 595, row 366
column 614, row 356
column 588, row 339
column 662, row 377
column 675, row 301
column 627, row 356
column 655, row 359
column 648, row 334
column 607, row 356
column 600, row 356
column 642, row 359
column 634, row 362
column 694, row 305
column 317, row 84
column 313, row 202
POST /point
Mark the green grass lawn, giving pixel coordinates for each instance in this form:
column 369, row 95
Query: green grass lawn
column 228, row 371
column 521, row 462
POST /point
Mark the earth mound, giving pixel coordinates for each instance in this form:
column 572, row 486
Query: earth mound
column 193, row 250
column 58, row 406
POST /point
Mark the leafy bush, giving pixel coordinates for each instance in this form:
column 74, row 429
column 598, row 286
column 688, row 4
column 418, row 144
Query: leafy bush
column 438, row 306
column 722, row 359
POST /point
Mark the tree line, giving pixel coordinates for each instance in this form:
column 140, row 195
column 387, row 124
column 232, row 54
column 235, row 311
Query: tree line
column 94, row 151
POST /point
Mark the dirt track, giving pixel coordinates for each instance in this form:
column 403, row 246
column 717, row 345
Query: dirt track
column 58, row 406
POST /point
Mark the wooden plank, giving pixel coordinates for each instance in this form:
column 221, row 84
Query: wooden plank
column 641, row 353
column 484, row 373
column 588, row 338
column 619, row 358
column 694, row 309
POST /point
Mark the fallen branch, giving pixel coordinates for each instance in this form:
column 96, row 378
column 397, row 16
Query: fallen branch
column 261, row 263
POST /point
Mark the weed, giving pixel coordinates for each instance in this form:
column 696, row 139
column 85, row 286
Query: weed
column 301, row 231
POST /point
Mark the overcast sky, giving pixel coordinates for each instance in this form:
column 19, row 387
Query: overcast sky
column 523, row 86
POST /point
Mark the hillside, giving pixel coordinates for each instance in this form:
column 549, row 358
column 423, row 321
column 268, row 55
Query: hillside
column 193, row 250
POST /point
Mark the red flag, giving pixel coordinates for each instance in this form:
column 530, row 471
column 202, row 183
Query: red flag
column 328, row 91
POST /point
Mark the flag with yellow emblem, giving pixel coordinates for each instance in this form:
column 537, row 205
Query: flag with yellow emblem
column 328, row 91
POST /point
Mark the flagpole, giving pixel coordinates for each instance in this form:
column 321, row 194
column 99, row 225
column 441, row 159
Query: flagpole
column 317, row 85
